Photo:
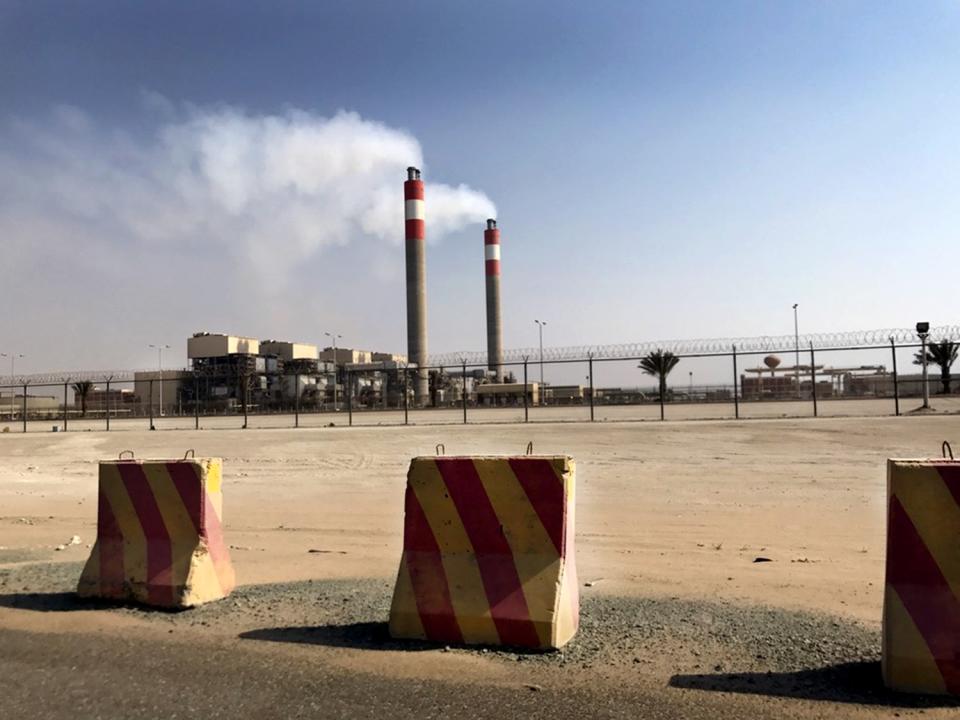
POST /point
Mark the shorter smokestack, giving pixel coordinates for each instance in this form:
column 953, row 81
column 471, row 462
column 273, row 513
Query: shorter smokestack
column 491, row 260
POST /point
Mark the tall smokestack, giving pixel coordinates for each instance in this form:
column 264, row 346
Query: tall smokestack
column 491, row 256
column 416, row 282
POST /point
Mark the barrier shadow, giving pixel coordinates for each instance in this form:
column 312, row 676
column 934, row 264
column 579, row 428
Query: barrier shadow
column 359, row 636
column 368, row 636
column 855, row 682
column 49, row 602
column 70, row 602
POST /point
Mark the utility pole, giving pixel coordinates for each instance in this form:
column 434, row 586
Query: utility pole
column 160, row 349
column 543, row 396
column 334, row 336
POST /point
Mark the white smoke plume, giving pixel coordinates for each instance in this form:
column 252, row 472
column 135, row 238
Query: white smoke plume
column 266, row 190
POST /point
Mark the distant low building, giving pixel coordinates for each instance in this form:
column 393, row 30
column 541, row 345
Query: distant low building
column 100, row 399
column 766, row 387
column 164, row 391
column 510, row 393
column 11, row 405
column 563, row 394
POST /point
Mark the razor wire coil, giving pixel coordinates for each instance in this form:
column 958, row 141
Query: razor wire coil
column 763, row 343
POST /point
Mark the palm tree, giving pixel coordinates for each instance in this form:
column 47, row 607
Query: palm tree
column 658, row 364
column 82, row 389
column 944, row 354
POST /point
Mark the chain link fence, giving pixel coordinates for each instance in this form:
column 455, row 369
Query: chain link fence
column 859, row 381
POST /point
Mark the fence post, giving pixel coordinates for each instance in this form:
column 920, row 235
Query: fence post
column 150, row 403
column 65, row 406
column 244, row 383
column 24, row 407
column 526, row 400
column 108, row 406
column 736, row 399
column 464, row 368
column 296, row 399
column 384, row 387
column 406, row 409
column 349, row 399
column 813, row 379
column 590, row 361
column 896, row 382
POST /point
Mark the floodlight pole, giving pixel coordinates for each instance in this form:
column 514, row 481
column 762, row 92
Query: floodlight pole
column 13, row 359
column 160, row 349
column 926, row 384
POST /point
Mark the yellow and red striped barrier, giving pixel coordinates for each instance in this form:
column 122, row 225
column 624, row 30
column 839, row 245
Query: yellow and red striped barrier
column 488, row 552
column 159, row 537
column 921, row 609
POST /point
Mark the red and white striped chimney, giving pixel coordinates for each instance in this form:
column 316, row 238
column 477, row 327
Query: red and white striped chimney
column 416, row 281
column 491, row 259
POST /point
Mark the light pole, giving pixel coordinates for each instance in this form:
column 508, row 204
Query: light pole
column 334, row 337
column 13, row 359
column 160, row 349
column 691, row 386
column 923, row 330
column 796, row 337
column 541, row 324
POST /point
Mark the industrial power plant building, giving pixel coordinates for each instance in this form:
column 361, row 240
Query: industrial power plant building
column 228, row 372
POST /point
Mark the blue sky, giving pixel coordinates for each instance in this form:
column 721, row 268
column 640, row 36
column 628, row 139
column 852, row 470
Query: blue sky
column 659, row 170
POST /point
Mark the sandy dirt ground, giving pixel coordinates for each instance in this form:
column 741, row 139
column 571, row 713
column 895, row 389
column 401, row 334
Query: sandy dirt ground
column 670, row 518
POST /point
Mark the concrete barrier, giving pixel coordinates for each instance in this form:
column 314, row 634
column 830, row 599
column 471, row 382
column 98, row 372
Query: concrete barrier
column 921, row 608
column 159, row 537
column 488, row 552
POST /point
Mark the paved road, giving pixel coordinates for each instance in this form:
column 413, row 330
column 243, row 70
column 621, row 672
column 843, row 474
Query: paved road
column 70, row 676
column 313, row 649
